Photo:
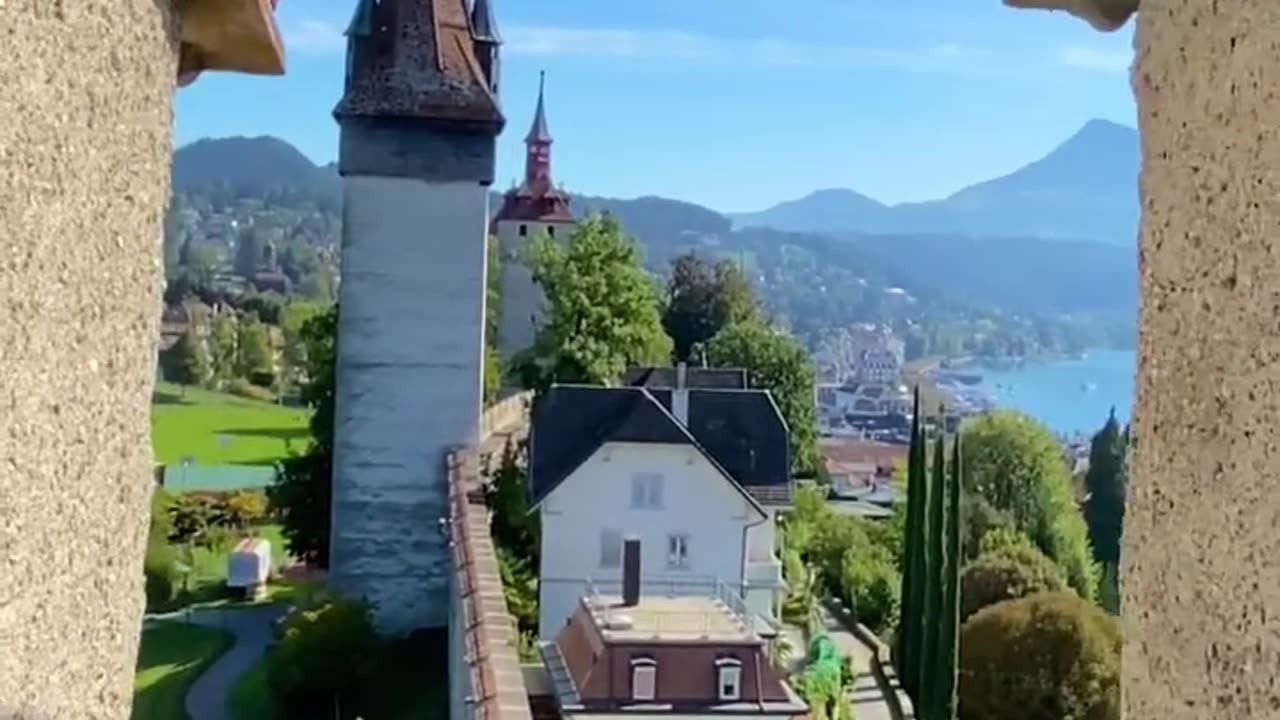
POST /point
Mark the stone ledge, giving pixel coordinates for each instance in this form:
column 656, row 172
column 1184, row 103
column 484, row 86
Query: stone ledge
column 497, row 685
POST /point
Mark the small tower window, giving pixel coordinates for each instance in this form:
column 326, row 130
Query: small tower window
column 644, row 678
column 524, row 230
column 551, row 230
column 729, row 679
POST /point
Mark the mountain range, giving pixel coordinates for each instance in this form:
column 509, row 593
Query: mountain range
column 1052, row 239
column 1084, row 189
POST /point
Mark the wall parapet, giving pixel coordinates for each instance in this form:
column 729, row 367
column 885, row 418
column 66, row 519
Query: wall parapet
column 510, row 411
column 497, row 687
column 895, row 699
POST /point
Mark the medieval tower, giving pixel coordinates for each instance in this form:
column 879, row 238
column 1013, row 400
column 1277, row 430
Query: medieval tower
column 534, row 206
column 419, row 118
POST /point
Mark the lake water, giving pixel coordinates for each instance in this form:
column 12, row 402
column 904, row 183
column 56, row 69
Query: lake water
column 1069, row 395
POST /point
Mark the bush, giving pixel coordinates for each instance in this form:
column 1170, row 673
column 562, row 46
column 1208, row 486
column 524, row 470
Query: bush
column 246, row 507
column 324, row 660
column 1044, row 657
column 998, row 576
column 870, row 586
column 246, row 389
column 159, row 568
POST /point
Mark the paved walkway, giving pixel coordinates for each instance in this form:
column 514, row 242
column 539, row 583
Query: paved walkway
column 252, row 629
column 865, row 696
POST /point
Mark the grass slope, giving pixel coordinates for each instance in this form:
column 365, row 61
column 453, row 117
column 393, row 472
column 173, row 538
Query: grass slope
column 170, row 658
column 218, row 429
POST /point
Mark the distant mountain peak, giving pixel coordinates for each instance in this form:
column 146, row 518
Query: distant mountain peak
column 1085, row 188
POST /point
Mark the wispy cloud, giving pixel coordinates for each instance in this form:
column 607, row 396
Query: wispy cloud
column 1097, row 59
column 772, row 52
column 314, row 36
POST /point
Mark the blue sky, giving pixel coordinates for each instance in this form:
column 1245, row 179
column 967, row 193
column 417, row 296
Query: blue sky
column 738, row 104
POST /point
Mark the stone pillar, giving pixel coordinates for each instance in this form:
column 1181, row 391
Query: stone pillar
column 85, row 123
column 1201, row 583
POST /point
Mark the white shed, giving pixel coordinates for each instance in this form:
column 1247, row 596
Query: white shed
column 249, row 565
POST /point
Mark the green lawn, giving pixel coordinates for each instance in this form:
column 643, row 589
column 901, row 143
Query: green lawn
column 218, row 429
column 170, row 658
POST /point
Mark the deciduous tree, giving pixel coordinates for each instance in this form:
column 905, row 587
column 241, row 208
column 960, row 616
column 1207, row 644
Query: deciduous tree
column 188, row 360
column 303, row 484
column 253, row 348
column 602, row 309
column 777, row 362
column 1018, row 466
column 702, row 298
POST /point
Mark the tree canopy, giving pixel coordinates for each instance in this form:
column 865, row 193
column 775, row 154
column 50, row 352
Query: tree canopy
column 601, row 309
column 777, row 362
column 1044, row 657
column 303, row 485
column 702, row 298
column 1105, row 482
column 1008, row 567
column 1017, row 466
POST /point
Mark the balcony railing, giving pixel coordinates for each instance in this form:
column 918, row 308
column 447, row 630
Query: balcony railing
column 706, row 587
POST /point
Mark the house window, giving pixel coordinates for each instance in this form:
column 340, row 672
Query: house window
column 610, row 549
column 646, row 491
column 644, row 678
column 524, row 230
column 729, row 678
column 678, row 551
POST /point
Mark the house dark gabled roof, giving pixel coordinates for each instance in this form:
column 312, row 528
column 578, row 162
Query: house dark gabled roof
column 695, row 377
column 742, row 432
column 571, row 422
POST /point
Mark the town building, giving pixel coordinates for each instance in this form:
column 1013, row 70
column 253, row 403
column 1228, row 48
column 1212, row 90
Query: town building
column 532, row 207
column 879, row 365
column 690, row 461
column 419, row 116
column 642, row 651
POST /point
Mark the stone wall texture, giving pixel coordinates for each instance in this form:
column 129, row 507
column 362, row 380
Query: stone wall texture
column 86, row 91
column 1202, row 546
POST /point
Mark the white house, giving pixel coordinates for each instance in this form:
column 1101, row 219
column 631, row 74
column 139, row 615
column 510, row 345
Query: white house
column 693, row 473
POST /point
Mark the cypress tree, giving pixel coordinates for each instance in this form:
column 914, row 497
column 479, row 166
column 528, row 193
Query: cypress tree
column 933, row 589
column 947, row 681
column 913, row 538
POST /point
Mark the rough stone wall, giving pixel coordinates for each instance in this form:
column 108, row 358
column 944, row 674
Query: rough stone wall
column 85, row 119
column 410, row 349
column 1201, row 585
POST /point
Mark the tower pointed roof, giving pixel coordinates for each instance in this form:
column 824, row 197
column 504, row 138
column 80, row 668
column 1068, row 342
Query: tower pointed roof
column 538, row 132
column 417, row 61
column 483, row 23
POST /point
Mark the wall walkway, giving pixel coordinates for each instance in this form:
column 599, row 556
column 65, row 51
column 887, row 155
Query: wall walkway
column 486, row 682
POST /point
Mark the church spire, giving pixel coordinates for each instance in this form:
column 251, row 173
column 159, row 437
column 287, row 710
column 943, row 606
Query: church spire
column 537, row 167
column 538, row 132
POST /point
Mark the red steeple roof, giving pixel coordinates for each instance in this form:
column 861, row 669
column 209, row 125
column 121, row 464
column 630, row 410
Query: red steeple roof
column 537, row 199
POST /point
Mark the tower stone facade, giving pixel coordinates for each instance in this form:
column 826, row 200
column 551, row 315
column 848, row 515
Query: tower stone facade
column 535, row 206
column 419, row 117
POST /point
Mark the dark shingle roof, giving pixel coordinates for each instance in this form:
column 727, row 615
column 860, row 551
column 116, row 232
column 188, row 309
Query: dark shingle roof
column 695, row 377
column 740, row 431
